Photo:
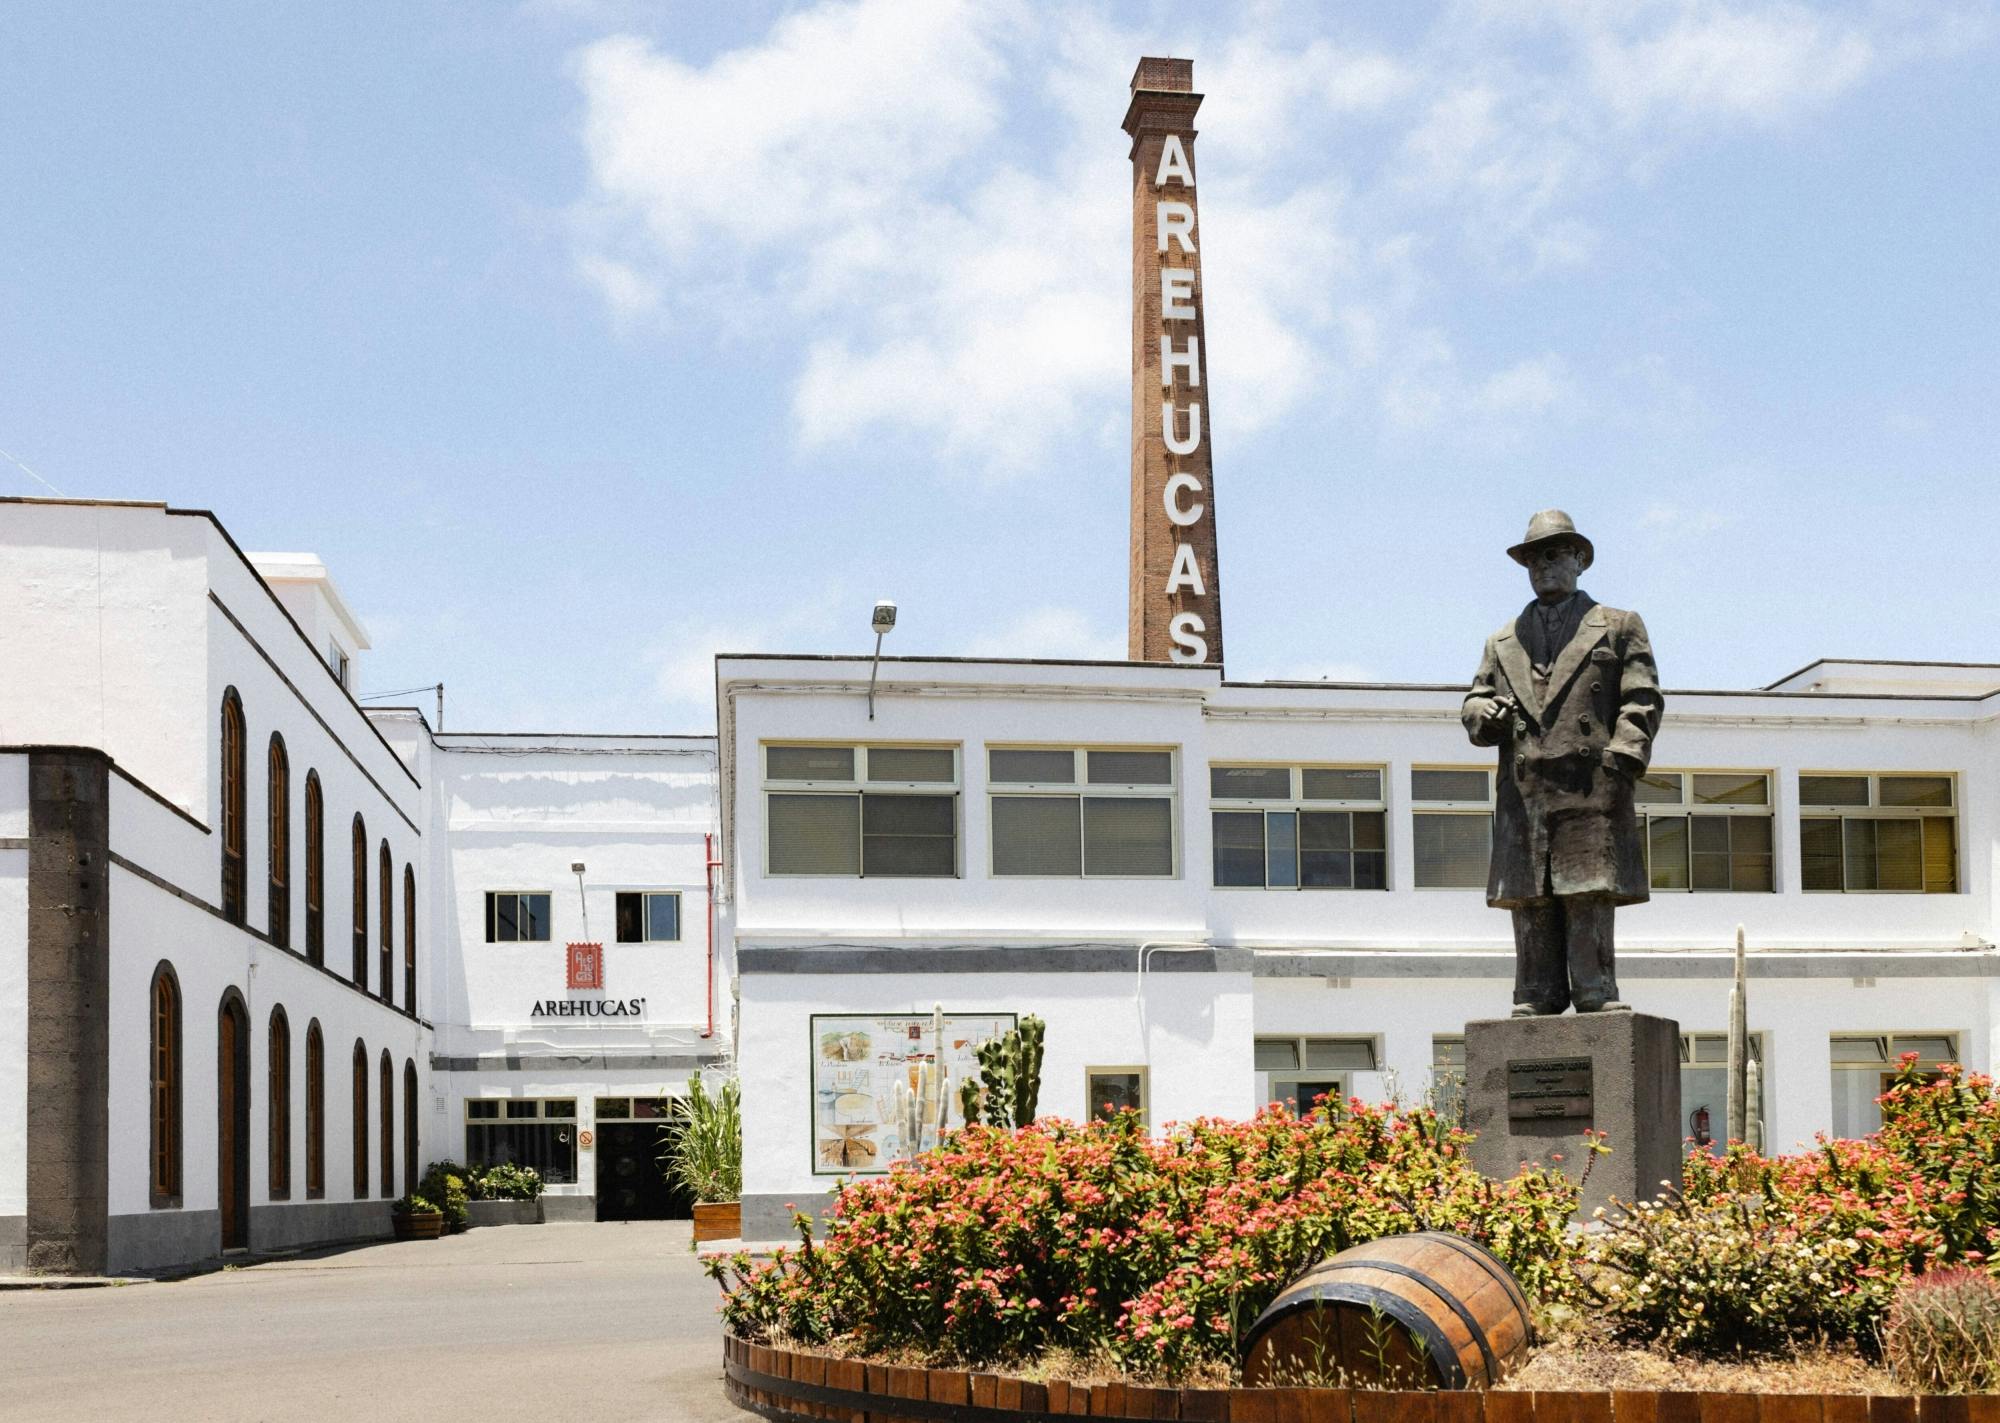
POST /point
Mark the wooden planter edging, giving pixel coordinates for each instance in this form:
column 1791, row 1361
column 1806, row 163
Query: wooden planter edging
column 782, row 1385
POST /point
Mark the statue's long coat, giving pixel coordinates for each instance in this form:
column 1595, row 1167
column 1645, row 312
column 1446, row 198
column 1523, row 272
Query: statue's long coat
column 1563, row 822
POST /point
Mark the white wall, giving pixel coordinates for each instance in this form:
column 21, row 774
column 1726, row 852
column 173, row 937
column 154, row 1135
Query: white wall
column 13, row 987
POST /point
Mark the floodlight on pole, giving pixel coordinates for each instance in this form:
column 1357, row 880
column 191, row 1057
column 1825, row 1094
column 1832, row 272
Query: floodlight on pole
column 883, row 621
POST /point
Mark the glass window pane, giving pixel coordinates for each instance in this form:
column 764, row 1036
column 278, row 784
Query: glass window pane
column 1468, row 786
column 1914, row 790
column 1307, row 1096
column 1326, row 830
column 1277, row 1055
column 1031, row 768
column 1239, row 847
column 516, row 1110
column 1342, row 784
column 1858, row 839
column 482, row 1109
column 1833, row 790
column 1037, row 835
column 1899, row 854
column 631, row 918
column 1658, row 788
column 1114, row 1092
column 1940, row 855
column 612, row 1108
column 1128, row 836
column 565, row 1108
column 1325, row 838
column 909, row 835
column 506, row 917
column 1249, row 782
column 1370, row 829
column 1855, row 1113
column 1819, row 853
column 1129, row 768
column 815, row 834
column 1340, row 1054
column 911, row 763
column 663, row 917
column 1447, row 1052
column 535, row 917
column 1709, row 834
column 1667, row 851
column 1749, row 834
column 1282, row 855
column 809, row 763
column 1731, row 788
column 1861, row 1049
column 1371, row 869
column 1452, row 851
column 1930, row 1050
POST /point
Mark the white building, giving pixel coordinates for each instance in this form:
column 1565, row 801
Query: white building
column 264, row 954
column 1120, row 849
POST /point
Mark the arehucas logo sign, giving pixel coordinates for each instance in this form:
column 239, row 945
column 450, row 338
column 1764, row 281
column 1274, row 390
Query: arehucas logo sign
column 589, row 1008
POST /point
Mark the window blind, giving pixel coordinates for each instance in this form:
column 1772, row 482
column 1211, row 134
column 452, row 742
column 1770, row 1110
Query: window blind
column 814, row 834
column 1037, row 835
column 1127, row 835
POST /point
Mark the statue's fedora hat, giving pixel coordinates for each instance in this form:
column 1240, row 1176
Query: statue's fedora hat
column 1548, row 527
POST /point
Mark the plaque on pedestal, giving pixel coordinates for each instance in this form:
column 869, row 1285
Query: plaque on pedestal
column 1534, row 1086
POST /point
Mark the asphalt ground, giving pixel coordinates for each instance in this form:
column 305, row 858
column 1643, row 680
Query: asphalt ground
column 549, row 1322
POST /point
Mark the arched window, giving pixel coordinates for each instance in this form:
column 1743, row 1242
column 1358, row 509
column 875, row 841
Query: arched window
column 360, row 1120
column 388, row 1126
column 410, row 940
column 278, row 1096
column 232, row 807
column 360, row 904
column 385, row 870
column 279, row 801
column 164, row 1063
column 409, row 1127
column 315, row 870
column 315, row 1112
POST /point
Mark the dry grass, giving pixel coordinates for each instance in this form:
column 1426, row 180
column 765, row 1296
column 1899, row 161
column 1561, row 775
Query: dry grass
column 1584, row 1360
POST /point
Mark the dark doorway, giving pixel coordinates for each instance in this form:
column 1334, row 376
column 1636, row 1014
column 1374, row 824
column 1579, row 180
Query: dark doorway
column 630, row 1182
column 232, row 1121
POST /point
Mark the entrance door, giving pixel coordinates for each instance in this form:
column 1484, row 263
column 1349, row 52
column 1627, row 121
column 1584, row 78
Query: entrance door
column 232, row 1123
column 630, row 1183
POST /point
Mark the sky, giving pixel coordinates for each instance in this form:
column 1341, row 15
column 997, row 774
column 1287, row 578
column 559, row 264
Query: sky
column 585, row 339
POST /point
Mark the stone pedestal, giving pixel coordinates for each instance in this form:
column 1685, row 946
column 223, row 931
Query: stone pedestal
column 1535, row 1085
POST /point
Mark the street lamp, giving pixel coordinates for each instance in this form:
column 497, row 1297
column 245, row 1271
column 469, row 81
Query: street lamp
column 883, row 620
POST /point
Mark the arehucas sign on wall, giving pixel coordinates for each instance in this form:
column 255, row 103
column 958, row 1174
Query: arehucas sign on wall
column 1175, row 608
column 589, row 1008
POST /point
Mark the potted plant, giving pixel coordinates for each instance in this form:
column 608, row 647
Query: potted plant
column 705, row 1156
column 416, row 1218
column 507, row 1195
column 449, row 1185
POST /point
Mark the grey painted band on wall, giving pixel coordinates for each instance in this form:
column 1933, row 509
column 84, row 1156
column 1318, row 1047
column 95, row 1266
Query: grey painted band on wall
column 562, row 1062
column 989, row 958
column 1712, row 965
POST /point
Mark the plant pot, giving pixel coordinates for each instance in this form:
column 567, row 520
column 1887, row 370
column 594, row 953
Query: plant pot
column 718, row 1220
column 419, row 1225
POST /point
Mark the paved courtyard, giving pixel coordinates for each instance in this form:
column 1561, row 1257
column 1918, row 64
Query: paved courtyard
column 544, row 1322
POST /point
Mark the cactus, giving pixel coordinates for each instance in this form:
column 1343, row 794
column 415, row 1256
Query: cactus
column 1010, row 1067
column 1738, row 1121
column 968, row 1099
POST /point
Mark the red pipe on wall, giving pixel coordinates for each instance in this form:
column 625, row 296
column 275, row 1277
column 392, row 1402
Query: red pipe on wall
column 708, row 854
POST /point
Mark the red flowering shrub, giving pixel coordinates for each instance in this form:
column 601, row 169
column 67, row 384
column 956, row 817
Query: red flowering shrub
column 1003, row 1244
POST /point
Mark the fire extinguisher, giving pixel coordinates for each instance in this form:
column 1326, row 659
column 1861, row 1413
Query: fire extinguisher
column 1698, row 1126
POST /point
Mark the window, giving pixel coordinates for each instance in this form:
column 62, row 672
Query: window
column 410, row 1145
column 511, row 1131
column 279, row 803
column 1448, row 1078
column 1107, row 1091
column 1706, row 830
column 164, row 1063
column 232, row 808
column 386, row 876
column 360, row 905
column 388, row 1126
column 315, row 1112
column 517, row 917
column 360, row 1120
column 871, row 811
column 1281, row 829
column 410, row 939
column 1866, row 833
column 649, row 918
column 1705, row 1092
column 1865, row 1064
column 1095, row 812
column 1306, row 1073
column 1451, row 831
column 279, row 1109
column 315, row 870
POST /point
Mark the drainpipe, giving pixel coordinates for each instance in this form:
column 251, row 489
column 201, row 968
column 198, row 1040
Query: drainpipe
column 708, row 900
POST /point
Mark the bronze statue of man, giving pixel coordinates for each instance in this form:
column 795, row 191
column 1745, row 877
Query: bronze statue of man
column 1569, row 693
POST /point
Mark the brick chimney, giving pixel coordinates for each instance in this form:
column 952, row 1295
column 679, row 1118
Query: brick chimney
column 1175, row 607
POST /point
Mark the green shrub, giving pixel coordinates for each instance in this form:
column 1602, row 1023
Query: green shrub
column 705, row 1155
column 411, row 1205
column 507, row 1182
column 1943, row 1332
column 448, row 1184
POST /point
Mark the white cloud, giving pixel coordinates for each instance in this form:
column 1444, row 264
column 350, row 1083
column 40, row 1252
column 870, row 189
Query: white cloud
column 1051, row 632
column 684, row 659
column 1713, row 62
column 1531, row 387
column 1675, row 519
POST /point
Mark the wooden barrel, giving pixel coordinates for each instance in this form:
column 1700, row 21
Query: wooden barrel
column 1428, row 1310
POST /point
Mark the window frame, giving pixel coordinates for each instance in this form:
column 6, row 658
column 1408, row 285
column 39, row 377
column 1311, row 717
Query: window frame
column 1091, row 1104
column 166, row 1103
column 278, row 817
column 386, row 1077
column 385, row 952
column 860, row 788
column 504, row 1115
column 315, row 867
column 359, row 1146
column 1082, row 788
column 360, row 906
column 315, row 1111
column 1875, row 810
column 1490, row 809
column 1687, row 808
column 1891, row 1063
column 278, row 1106
column 1760, row 1051
column 644, row 897
column 1296, row 804
column 234, row 837
column 1342, row 1078
column 492, row 921
column 410, row 939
